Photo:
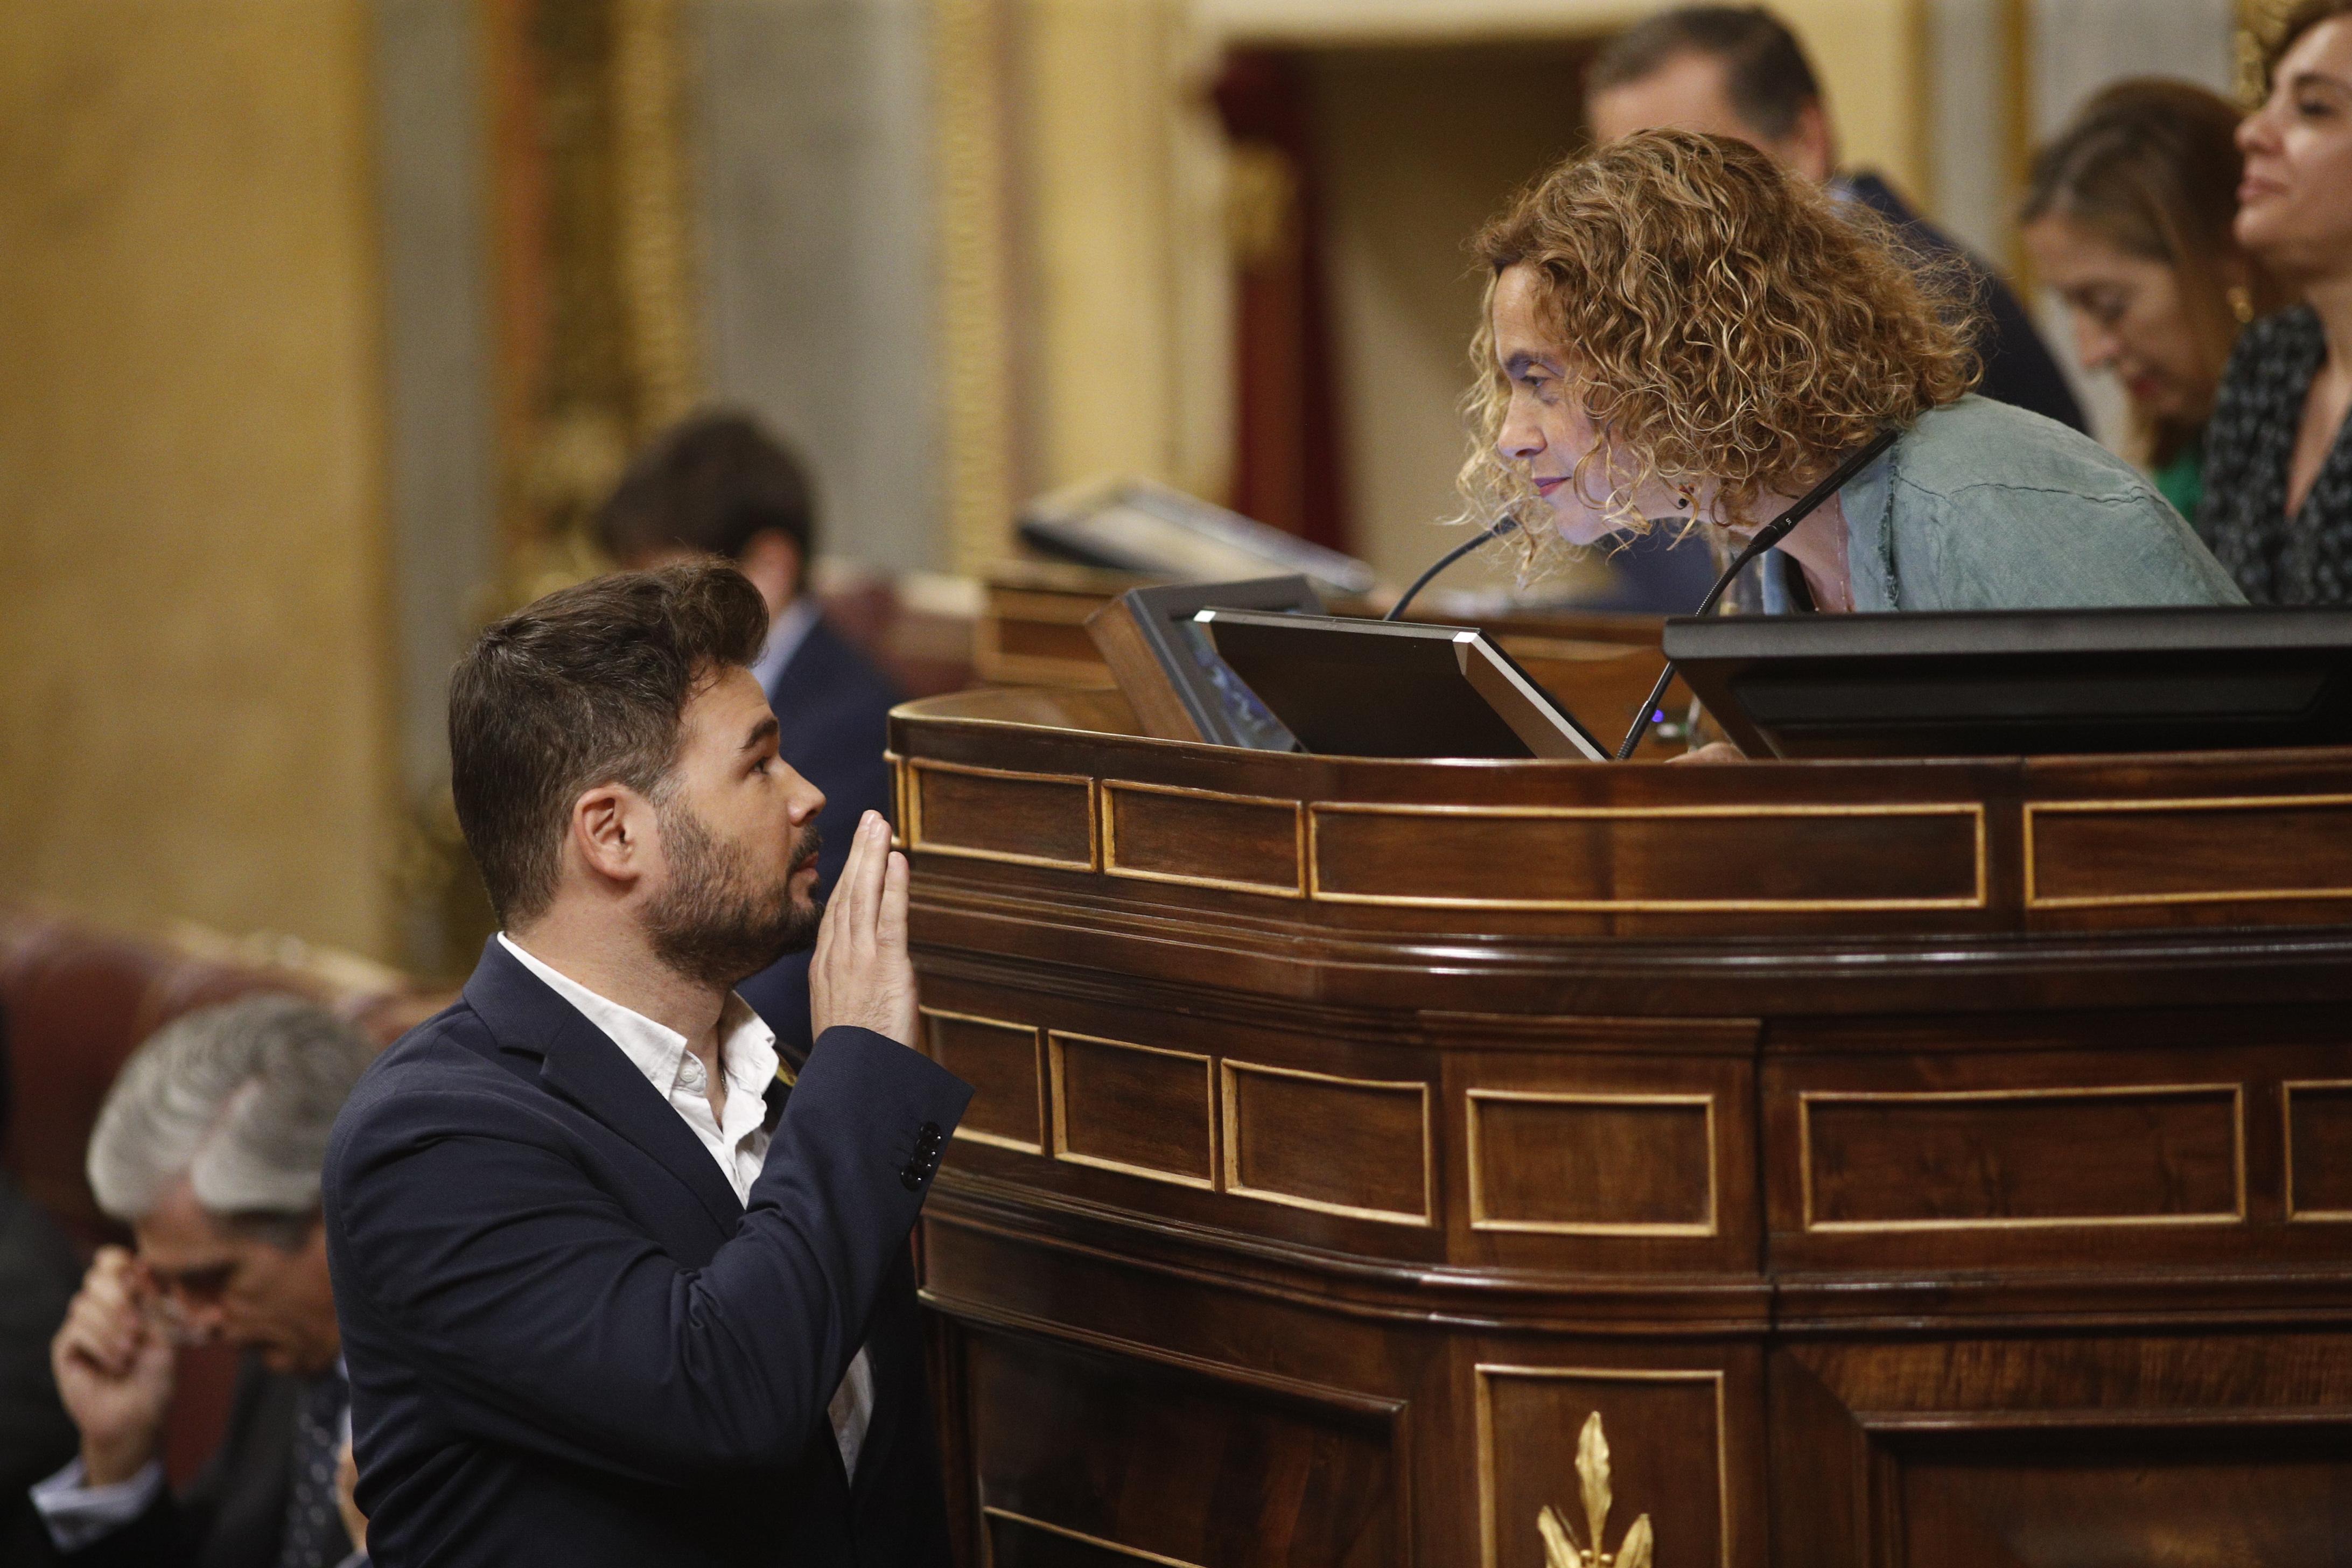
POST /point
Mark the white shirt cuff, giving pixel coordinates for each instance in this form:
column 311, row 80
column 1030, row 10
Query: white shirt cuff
column 77, row 1514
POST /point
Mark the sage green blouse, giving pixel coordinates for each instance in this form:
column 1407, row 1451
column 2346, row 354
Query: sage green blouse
column 1983, row 506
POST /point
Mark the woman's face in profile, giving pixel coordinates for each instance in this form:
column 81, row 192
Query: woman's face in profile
column 2294, row 204
column 2131, row 318
column 1546, row 431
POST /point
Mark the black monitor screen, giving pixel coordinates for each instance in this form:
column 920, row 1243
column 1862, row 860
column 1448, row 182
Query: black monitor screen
column 2023, row 682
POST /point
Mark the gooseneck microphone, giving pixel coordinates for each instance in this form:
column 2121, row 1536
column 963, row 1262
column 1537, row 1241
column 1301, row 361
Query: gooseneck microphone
column 1502, row 526
column 1770, row 534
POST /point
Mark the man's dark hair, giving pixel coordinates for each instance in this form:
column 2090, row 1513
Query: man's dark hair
column 1769, row 78
column 585, row 687
column 710, row 484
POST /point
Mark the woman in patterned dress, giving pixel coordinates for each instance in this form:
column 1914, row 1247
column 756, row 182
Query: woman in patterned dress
column 2278, row 474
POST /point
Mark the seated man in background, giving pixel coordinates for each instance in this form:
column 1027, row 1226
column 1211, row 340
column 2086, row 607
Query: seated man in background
column 719, row 485
column 37, row 1275
column 209, row 1147
column 1738, row 71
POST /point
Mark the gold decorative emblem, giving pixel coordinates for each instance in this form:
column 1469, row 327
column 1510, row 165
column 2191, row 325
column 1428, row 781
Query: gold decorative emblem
column 1561, row 1549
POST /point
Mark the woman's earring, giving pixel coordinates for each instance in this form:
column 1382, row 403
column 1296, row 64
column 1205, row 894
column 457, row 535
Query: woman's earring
column 2242, row 302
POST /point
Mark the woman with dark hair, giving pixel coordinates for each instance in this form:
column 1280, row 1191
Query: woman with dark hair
column 2278, row 472
column 2129, row 217
column 1677, row 329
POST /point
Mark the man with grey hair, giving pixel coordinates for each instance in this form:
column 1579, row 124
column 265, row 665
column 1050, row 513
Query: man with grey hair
column 209, row 1147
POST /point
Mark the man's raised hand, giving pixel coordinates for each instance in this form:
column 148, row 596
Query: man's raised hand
column 860, row 972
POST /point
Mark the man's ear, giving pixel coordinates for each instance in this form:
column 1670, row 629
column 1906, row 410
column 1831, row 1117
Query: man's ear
column 611, row 830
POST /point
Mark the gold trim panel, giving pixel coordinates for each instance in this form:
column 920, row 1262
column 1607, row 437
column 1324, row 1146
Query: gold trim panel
column 1478, row 1218
column 918, row 766
column 898, row 766
column 1807, row 1099
column 1231, row 1165
column 1295, row 889
column 1484, row 1373
column 1316, row 810
column 1136, row 1554
column 1036, row 1044
column 2034, row 900
column 2286, row 1119
column 1060, row 1116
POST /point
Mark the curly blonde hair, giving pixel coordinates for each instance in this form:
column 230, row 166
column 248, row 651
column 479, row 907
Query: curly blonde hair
column 1720, row 320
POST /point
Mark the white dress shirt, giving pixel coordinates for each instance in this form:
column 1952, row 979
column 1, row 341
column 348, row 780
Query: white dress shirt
column 747, row 1055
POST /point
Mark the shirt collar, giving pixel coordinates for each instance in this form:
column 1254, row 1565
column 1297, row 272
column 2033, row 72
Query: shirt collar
column 785, row 633
column 746, row 1047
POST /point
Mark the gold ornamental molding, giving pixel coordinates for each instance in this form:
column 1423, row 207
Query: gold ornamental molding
column 918, row 836
column 1972, row 812
column 2036, row 810
column 1113, row 788
column 1230, row 1075
column 1132, row 1553
column 1483, row 1219
column 1592, row 1460
column 1561, row 1549
column 2235, row 1214
column 2287, row 1092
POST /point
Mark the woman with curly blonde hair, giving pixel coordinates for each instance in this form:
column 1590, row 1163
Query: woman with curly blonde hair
column 1677, row 333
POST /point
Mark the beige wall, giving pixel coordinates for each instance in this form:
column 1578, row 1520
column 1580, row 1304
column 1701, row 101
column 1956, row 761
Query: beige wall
column 194, row 707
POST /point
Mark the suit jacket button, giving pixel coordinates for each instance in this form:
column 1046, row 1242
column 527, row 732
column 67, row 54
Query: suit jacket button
column 911, row 1178
column 931, row 1133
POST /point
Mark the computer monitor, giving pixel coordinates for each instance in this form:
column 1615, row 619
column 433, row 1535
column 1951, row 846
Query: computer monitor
column 1394, row 689
column 2021, row 683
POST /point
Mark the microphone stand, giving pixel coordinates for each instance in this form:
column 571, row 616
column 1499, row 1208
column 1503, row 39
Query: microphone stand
column 1770, row 534
column 1502, row 526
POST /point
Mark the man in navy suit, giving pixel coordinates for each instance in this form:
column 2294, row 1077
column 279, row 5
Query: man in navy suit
column 720, row 485
column 611, row 1292
column 1738, row 71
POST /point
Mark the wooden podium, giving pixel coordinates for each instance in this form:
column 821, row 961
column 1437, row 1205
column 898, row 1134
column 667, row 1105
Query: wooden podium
column 1906, row 1163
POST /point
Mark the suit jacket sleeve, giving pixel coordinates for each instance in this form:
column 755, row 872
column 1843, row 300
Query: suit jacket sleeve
column 544, row 1316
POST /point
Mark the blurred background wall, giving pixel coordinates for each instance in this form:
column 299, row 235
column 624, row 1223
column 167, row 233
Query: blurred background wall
column 324, row 323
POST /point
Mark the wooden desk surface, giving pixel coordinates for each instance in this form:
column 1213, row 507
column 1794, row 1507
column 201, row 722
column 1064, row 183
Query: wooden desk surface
column 1908, row 1163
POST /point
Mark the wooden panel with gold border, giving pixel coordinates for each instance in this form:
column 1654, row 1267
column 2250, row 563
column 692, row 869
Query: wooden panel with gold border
column 2020, row 1159
column 2317, row 1113
column 1361, row 1148
column 2120, row 854
column 998, row 813
column 1004, row 1063
column 1667, row 1431
column 1690, row 859
column 1204, row 839
column 1574, row 1164
column 1142, row 1111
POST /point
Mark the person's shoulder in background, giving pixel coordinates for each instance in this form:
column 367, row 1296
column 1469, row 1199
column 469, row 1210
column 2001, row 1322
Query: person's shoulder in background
column 2018, row 368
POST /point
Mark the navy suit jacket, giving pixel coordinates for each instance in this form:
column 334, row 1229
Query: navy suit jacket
column 833, row 710
column 570, row 1343
column 2018, row 368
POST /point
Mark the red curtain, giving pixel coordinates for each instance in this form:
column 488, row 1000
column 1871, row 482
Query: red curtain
column 1287, row 468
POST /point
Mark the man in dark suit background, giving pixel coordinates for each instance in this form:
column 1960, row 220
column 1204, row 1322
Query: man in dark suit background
column 719, row 485
column 610, row 1292
column 209, row 1147
column 1738, row 71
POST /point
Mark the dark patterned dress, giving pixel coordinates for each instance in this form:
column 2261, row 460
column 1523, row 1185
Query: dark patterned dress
column 2249, row 446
